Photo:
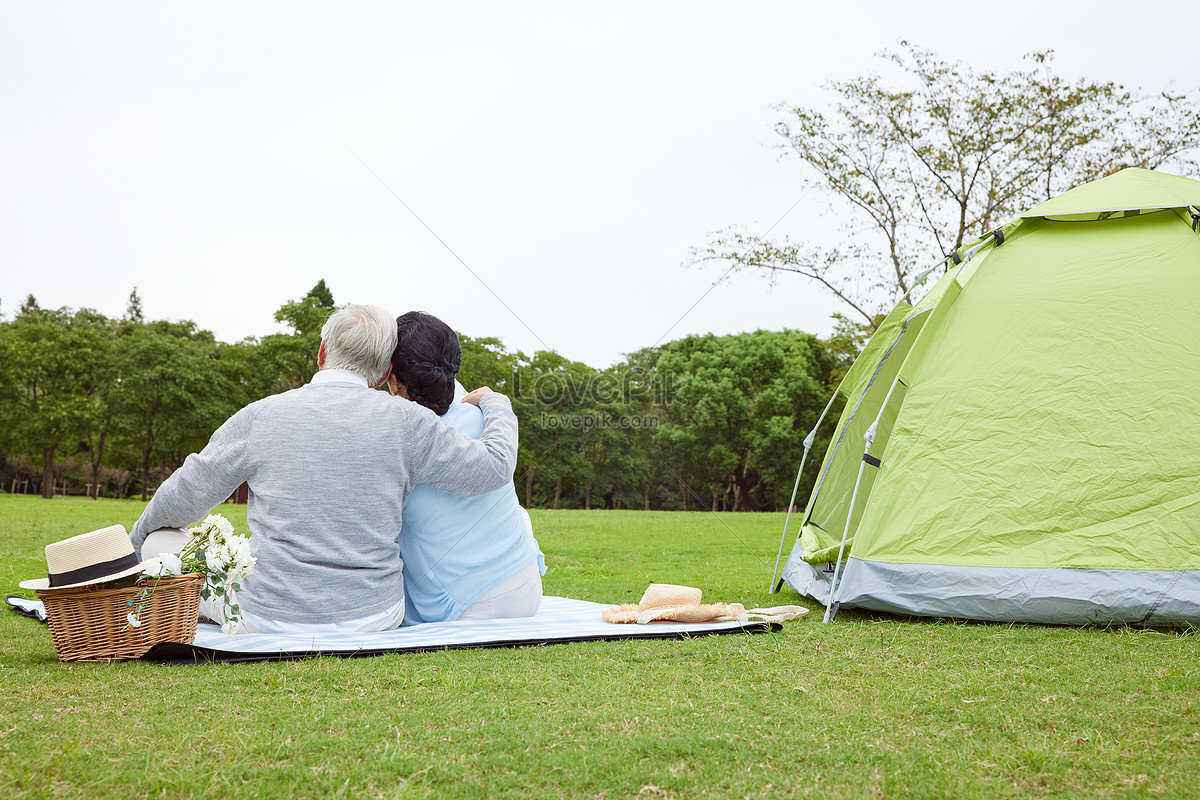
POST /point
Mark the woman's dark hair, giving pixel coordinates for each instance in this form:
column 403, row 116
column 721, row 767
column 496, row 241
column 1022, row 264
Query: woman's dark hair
column 426, row 359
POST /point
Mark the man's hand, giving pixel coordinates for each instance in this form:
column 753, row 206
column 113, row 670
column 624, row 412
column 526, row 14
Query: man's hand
column 474, row 397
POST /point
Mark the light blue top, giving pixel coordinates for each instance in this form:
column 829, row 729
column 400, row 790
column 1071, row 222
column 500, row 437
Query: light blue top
column 457, row 548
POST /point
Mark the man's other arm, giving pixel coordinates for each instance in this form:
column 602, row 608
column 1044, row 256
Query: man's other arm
column 205, row 479
column 443, row 459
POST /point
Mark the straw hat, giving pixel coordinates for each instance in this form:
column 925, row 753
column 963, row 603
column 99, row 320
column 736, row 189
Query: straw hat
column 93, row 557
column 668, row 602
column 665, row 602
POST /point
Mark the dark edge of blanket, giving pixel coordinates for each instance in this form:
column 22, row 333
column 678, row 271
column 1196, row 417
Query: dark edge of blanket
column 177, row 654
column 17, row 609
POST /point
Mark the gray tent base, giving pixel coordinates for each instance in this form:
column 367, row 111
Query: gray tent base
column 1051, row 596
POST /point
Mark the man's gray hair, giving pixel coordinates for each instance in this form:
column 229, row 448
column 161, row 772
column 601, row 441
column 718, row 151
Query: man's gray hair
column 360, row 338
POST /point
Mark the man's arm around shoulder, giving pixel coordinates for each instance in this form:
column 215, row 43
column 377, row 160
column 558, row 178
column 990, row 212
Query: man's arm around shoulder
column 442, row 458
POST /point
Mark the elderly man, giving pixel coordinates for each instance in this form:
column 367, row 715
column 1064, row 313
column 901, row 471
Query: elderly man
column 329, row 467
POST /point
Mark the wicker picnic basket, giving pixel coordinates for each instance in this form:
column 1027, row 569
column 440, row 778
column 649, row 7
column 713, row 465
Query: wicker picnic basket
column 89, row 623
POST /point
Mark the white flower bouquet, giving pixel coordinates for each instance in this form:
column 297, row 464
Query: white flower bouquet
column 216, row 552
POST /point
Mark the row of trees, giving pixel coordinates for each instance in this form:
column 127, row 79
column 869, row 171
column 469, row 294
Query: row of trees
column 702, row 422
column 112, row 406
column 109, row 405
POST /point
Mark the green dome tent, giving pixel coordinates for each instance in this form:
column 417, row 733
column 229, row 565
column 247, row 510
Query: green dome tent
column 1023, row 444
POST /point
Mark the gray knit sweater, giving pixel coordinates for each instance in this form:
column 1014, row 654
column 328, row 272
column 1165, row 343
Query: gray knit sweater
column 329, row 468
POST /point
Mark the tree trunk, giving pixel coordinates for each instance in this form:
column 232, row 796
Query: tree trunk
column 587, row 497
column 757, row 496
column 683, row 490
column 649, row 482
column 48, row 472
column 529, row 488
column 145, row 474
column 714, row 505
column 557, row 491
column 97, row 455
column 744, row 490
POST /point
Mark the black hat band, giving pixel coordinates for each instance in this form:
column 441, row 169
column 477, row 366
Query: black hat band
column 93, row 571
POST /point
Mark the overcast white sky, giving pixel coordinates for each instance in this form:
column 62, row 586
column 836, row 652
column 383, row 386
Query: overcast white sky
column 569, row 153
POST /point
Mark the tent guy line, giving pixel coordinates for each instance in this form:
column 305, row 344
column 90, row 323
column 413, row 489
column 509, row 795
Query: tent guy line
column 726, row 273
column 518, row 318
column 441, row 241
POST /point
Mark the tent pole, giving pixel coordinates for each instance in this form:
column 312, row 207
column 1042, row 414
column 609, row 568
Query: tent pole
column 772, row 589
column 920, row 279
column 868, row 440
column 808, row 443
column 838, row 569
column 869, row 437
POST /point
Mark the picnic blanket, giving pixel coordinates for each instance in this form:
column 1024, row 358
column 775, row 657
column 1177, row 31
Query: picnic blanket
column 559, row 620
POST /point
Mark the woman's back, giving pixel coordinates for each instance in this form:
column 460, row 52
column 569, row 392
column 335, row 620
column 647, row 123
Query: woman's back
column 457, row 548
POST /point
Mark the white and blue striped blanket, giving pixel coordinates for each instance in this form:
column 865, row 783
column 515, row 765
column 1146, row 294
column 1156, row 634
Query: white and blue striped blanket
column 560, row 620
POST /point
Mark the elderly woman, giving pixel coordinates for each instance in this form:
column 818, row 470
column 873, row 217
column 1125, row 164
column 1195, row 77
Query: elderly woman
column 464, row 557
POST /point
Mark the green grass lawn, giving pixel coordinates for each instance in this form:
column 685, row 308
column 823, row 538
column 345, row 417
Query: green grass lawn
column 872, row 706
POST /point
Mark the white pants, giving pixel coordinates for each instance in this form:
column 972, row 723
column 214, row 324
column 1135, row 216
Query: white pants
column 172, row 540
column 163, row 540
column 518, row 596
